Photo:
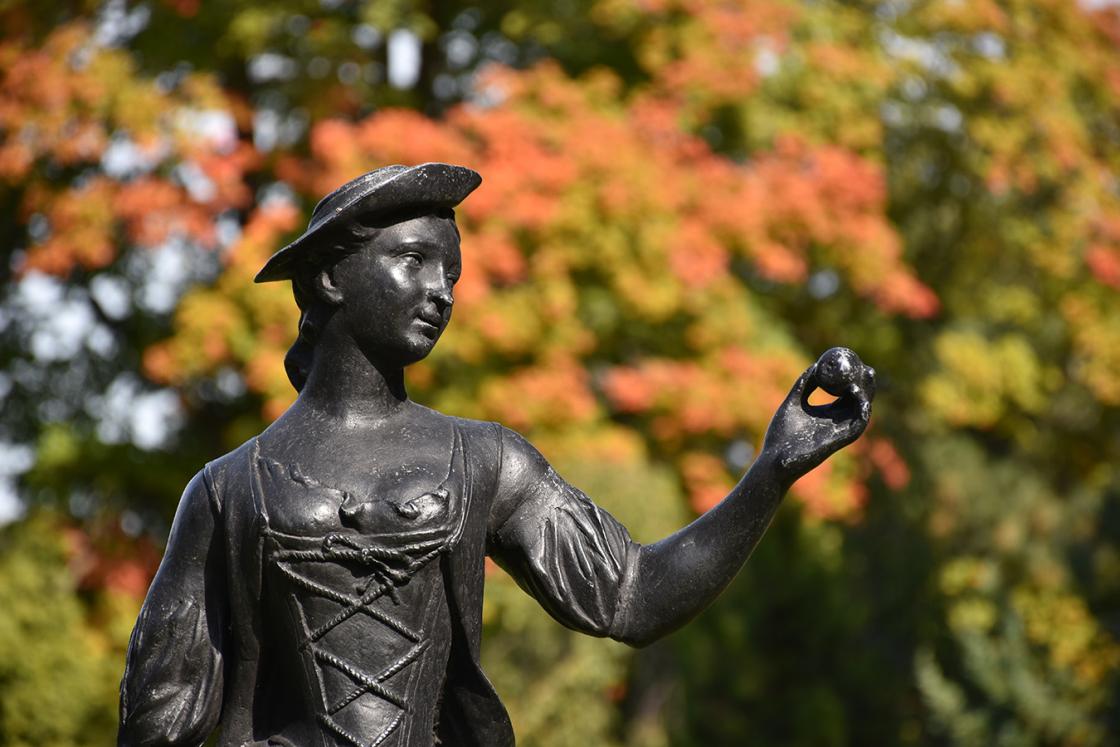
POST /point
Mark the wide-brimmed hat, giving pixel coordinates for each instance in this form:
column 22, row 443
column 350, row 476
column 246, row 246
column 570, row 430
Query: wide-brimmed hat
column 387, row 190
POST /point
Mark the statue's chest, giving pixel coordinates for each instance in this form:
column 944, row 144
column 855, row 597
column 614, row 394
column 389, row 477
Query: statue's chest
column 314, row 498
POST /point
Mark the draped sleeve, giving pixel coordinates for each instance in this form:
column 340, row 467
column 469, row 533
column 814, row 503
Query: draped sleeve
column 570, row 555
column 171, row 693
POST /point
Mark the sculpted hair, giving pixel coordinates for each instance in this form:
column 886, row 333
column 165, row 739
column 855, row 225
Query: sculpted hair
column 314, row 312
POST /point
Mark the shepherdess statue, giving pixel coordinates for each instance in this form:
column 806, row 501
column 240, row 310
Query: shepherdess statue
column 322, row 584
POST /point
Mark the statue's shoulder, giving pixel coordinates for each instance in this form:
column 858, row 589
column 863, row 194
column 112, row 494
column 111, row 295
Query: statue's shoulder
column 227, row 477
column 504, row 448
column 481, row 439
column 478, row 432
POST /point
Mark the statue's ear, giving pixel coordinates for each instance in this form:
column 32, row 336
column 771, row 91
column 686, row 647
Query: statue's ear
column 325, row 288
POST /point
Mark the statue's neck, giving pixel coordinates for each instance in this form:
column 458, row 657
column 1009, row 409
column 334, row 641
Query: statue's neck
column 346, row 384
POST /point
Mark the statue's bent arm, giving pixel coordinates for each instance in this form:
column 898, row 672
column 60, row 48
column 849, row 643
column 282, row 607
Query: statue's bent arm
column 171, row 693
column 581, row 564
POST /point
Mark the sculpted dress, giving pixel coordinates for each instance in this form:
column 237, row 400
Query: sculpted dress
column 366, row 634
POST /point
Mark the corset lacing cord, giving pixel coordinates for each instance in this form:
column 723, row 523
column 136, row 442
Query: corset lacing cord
column 389, row 568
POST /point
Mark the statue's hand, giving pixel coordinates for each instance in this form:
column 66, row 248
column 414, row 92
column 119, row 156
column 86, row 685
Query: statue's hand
column 802, row 435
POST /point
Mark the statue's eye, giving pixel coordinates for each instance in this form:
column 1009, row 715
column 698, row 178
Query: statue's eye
column 413, row 259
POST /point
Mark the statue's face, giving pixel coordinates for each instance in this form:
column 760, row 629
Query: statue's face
column 397, row 290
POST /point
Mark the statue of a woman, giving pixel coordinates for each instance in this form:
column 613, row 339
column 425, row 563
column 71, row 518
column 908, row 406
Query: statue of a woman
column 322, row 583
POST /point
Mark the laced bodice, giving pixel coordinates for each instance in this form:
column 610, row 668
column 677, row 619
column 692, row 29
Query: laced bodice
column 364, row 609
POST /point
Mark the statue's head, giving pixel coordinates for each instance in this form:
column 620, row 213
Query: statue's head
column 379, row 260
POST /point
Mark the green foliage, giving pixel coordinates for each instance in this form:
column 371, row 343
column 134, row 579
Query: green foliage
column 60, row 652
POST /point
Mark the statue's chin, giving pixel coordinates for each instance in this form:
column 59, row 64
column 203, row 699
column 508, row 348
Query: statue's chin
column 398, row 346
column 415, row 350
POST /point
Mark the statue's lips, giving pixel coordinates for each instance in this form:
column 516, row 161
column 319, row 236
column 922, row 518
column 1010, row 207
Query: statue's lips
column 431, row 322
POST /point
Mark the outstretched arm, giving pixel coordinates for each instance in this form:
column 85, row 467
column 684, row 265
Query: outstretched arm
column 682, row 574
column 644, row 592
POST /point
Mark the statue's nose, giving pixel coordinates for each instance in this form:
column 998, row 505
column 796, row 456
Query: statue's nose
column 440, row 294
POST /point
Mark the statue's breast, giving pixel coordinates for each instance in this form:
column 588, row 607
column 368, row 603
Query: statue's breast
column 404, row 499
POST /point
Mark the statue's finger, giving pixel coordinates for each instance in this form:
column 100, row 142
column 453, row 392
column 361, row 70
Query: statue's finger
column 861, row 399
column 868, row 381
column 802, row 388
column 850, row 419
column 864, row 395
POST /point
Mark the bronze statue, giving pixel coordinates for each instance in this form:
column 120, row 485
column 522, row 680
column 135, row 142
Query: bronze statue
column 322, row 583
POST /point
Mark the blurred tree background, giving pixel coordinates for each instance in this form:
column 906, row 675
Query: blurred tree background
column 684, row 202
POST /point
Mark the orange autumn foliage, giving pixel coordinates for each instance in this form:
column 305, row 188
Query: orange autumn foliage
column 61, row 105
column 584, row 194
